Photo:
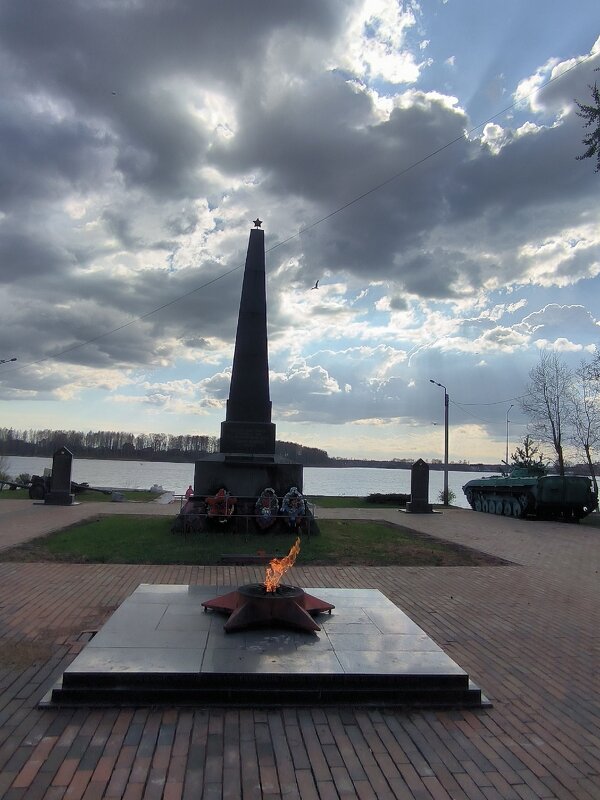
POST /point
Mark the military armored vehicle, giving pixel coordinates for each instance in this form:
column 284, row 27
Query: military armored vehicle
column 528, row 492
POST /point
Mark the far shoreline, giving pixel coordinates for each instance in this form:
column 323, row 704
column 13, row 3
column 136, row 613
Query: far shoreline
column 333, row 463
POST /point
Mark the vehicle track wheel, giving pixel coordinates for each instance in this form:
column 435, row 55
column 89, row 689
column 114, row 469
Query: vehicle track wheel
column 484, row 506
column 491, row 506
column 499, row 506
column 478, row 504
column 508, row 508
column 516, row 508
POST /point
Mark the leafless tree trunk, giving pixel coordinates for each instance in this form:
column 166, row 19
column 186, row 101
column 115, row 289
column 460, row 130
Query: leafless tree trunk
column 585, row 414
column 547, row 401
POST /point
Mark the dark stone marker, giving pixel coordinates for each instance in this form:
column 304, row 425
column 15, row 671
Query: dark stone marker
column 60, row 483
column 419, row 489
column 246, row 463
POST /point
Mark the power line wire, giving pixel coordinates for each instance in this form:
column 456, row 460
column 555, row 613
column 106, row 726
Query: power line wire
column 496, row 402
column 470, row 413
column 480, row 419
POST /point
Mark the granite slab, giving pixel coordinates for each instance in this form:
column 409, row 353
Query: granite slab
column 162, row 646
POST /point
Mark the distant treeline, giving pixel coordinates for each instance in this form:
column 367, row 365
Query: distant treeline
column 144, row 446
column 188, row 448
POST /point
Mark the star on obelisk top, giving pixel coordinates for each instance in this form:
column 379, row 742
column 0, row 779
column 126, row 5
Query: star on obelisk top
column 257, row 223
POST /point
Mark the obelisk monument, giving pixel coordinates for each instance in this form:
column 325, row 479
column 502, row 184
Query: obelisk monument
column 246, row 463
column 248, row 427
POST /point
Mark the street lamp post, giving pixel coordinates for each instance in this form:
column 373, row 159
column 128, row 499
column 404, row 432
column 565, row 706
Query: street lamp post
column 507, row 421
column 446, row 401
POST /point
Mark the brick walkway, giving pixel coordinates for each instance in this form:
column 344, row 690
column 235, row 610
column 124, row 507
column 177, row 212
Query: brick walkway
column 527, row 633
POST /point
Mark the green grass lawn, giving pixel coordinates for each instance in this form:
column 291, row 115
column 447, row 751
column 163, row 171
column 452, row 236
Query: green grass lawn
column 148, row 540
column 14, row 494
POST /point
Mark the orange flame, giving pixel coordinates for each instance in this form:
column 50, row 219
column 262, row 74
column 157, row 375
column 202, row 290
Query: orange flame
column 279, row 566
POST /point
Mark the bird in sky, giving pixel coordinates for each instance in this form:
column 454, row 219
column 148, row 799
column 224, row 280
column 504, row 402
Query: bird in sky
column 316, row 286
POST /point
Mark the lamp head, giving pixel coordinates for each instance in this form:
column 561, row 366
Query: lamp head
column 441, row 385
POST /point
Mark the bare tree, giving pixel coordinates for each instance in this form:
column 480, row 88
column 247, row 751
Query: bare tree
column 547, row 402
column 585, row 414
column 594, row 365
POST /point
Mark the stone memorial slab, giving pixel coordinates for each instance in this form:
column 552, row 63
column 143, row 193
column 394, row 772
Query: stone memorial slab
column 60, row 483
column 419, row 489
column 161, row 647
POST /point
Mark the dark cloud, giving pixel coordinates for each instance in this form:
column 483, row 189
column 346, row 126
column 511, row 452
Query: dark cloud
column 101, row 45
column 336, row 160
column 310, row 141
column 43, row 157
column 25, row 254
column 554, row 320
column 436, row 274
column 88, row 306
column 398, row 303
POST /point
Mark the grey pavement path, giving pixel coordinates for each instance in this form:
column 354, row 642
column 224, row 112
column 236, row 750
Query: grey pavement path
column 534, row 542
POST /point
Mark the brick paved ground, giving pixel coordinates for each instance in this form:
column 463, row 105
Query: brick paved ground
column 527, row 633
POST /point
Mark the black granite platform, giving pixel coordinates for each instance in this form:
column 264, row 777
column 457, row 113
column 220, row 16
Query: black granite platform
column 161, row 647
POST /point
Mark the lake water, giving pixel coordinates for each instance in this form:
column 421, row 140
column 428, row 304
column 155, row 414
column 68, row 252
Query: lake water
column 357, row 481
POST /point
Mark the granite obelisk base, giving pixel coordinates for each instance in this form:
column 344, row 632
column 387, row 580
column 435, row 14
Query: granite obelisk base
column 246, row 475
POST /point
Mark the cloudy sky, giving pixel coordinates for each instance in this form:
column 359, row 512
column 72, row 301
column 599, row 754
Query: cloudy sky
column 418, row 158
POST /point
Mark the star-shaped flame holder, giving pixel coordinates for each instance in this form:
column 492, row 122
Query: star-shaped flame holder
column 252, row 605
